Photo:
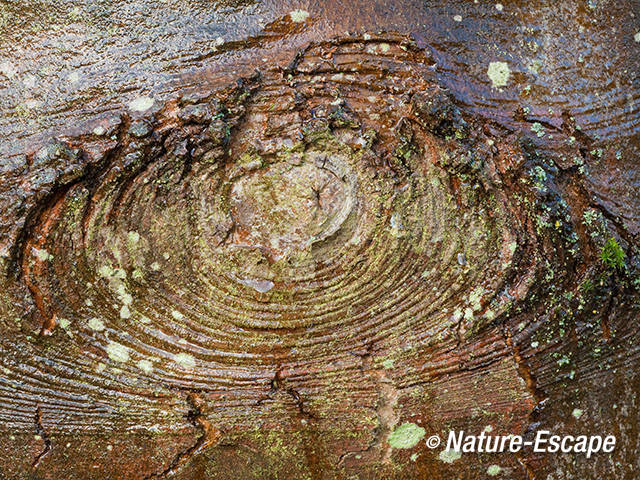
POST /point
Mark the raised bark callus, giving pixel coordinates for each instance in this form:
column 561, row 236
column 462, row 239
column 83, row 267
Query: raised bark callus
column 266, row 280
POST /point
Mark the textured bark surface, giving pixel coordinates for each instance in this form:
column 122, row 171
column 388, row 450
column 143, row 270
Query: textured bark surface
column 256, row 239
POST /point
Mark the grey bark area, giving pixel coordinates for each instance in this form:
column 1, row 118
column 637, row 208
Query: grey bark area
column 278, row 240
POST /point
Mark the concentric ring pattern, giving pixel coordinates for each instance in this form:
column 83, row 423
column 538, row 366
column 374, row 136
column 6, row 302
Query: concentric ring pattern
column 292, row 218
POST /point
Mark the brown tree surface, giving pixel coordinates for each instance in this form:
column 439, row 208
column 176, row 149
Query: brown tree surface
column 286, row 240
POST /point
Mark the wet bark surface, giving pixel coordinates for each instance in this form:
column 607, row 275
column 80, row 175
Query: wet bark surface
column 255, row 240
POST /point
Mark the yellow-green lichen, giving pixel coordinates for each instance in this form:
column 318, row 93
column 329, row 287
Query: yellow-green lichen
column 406, row 435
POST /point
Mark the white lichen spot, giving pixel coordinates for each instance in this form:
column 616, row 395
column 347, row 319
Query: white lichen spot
column 298, row 16
column 64, row 323
column 100, row 367
column 475, row 298
column 499, row 7
column 125, row 312
column 538, row 129
column 155, row 266
column 29, row 81
column 99, row 131
column 145, row 365
column 96, row 324
column 134, row 237
column 177, row 315
column 73, row 77
column 118, row 352
column 42, row 254
column 414, row 457
column 534, row 344
column 493, row 470
column 457, row 18
column 141, row 104
column 185, row 360
column 636, row 37
column 577, row 413
column 449, row 456
column 388, row 363
column 384, row 47
column 499, row 73
column 488, row 429
column 406, row 435
column 8, row 70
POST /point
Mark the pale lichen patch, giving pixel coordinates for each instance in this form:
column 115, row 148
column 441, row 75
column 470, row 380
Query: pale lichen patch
column 145, row 365
column 125, row 313
column 96, row 324
column 449, row 456
column 493, row 470
column 141, row 104
column 499, row 73
column 538, row 129
column 577, row 413
column 299, row 16
column 42, row 254
column 185, row 360
column 134, row 237
column 406, row 435
column 8, row 70
column 118, row 352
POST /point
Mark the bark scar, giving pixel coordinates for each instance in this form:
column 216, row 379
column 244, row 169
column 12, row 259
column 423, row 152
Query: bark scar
column 210, row 436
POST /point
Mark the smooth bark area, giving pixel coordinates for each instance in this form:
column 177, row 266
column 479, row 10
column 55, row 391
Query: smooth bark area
column 259, row 240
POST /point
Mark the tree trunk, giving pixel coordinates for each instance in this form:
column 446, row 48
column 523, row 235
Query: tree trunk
column 266, row 241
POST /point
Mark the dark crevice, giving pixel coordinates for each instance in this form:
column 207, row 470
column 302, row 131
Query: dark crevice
column 45, row 438
column 208, row 437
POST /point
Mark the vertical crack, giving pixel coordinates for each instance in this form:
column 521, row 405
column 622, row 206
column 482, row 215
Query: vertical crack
column 386, row 405
column 45, row 437
column 209, row 436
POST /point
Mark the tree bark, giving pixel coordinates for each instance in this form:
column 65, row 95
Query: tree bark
column 309, row 238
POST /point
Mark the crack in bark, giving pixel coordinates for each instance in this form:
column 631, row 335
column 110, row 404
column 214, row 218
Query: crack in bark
column 277, row 384
column 385, row 410
column 45, row 437
column 210, row 436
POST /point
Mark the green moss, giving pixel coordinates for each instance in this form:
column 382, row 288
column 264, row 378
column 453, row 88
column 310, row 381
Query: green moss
column 612, row 255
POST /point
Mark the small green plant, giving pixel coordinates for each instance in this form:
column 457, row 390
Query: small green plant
column 612, row 255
